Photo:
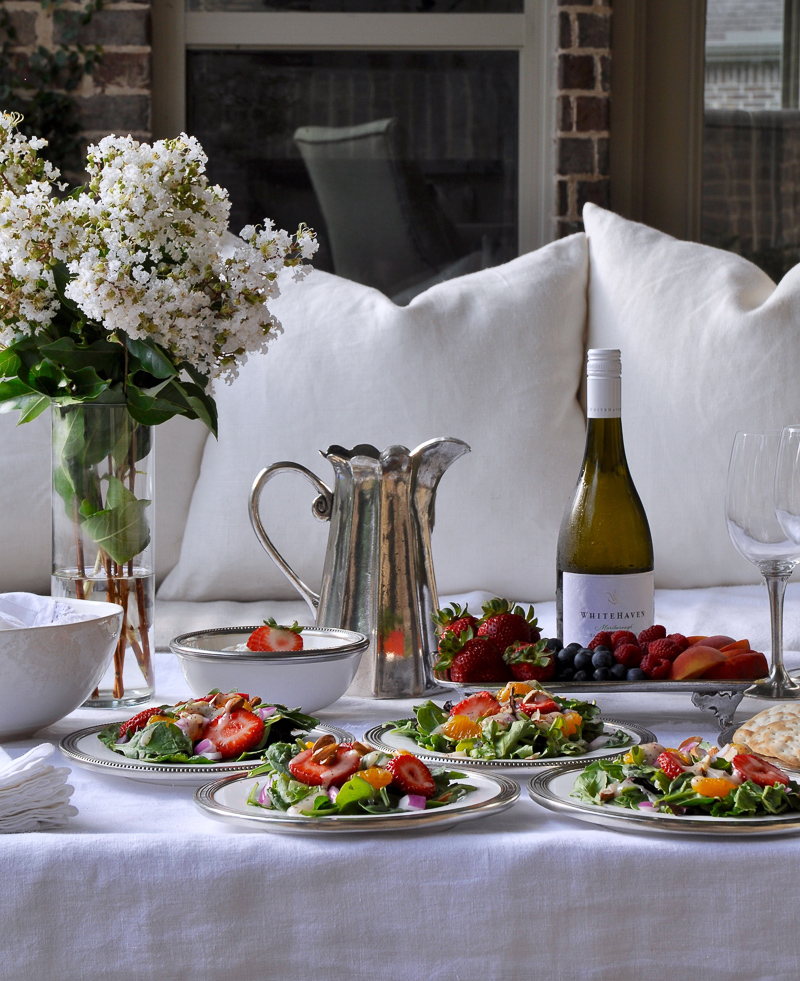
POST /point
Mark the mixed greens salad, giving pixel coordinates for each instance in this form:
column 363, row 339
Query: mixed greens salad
column 524, row 721
column 695, row 779
column 350, row 779
column 229, row 726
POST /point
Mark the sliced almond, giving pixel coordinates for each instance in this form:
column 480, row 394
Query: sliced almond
column 234, row 703
column 324, row 753
column 361, row 749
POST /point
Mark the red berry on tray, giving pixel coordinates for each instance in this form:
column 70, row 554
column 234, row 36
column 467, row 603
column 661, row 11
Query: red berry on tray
column 530, row 662
column 454, row 619
column 506, row 626
column 664, row 648
column 656, row 632
column 656, row 667
column 628, row 654
column 603, row 639
column 680, row 640
column 471, row 659
column 620, row 637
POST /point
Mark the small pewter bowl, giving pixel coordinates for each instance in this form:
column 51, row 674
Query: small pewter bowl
column 308, row 679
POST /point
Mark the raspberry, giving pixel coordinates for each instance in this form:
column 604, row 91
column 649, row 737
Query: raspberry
column 679, row 639
column 628, row 654
column 664, row 648
column 623, row 637
column 655, row 667
column 656, row 632
column 603, row 639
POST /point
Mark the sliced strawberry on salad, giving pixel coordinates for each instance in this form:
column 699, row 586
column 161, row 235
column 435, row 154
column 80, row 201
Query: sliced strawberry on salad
column 218, row 726
column 331, row 779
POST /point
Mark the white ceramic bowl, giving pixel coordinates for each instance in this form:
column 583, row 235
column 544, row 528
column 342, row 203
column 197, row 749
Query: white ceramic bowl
column 47, row 672
column 308, row 679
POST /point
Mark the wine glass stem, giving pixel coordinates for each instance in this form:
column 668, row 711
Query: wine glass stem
column 776, row 587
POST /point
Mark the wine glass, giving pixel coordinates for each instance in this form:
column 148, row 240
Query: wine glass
column 756, row 533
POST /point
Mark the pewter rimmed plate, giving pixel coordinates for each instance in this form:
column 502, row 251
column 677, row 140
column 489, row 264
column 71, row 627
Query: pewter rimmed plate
column 226, row 801
column 84, row 749
column 551, row 789
column 385, row 738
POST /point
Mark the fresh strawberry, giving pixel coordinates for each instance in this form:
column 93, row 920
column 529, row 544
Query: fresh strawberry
column 540, row 702
column 680, row 640
column 655, row 667
column 234, row 733
column 530, row 662
column 620, row 637
column 762, row 774
column 411, row 775
column 274, row 637
column 656, row 632
column 339, row 768
column 454, row 619
column 628, row 654
column 664, row 648
column 138, row 721
column 671, row 764
column 477, row 706
column 603, row 639
column 505, row 626
column 471, row 659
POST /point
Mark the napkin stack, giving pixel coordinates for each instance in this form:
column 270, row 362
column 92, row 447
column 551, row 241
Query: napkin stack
column 34, row 795
column 30, row 610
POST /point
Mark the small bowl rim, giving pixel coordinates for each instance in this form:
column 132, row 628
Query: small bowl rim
column 355, row 643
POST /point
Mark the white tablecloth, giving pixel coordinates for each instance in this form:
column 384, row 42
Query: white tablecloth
column 142, row 885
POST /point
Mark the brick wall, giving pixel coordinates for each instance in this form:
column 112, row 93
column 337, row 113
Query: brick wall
column 116, row 98
column 584, row 66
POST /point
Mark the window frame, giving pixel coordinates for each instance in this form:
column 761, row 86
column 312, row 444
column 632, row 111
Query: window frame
column 532, row 33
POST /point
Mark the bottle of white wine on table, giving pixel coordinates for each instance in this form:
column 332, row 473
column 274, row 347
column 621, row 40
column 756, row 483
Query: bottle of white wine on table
column 605, row 552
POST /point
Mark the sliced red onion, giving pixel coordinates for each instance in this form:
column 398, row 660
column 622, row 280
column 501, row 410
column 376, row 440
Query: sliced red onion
column 333, row 793
column 645, row 805
column 264, row 712
column 183, row 724
column 205, row 748
column 598, row 742
column 412, row 802
column 264, row 798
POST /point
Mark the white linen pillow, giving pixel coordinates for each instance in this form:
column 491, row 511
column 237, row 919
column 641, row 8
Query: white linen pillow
column 25, row 497
column 710, row 345
column 493, row 358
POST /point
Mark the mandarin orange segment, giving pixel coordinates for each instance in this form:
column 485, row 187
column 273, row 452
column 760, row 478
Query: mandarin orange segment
column 376, row 777
column 712, row 786
column 516, row 688
column 571, row 722
column 461, row 727
column 159, row 718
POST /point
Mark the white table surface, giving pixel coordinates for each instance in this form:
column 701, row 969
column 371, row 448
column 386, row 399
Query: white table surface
column 142, row 885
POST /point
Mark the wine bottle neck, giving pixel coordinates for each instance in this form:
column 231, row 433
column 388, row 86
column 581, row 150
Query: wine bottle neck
column 604, row 445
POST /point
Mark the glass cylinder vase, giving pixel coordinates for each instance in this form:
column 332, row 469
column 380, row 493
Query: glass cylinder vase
column 102, row 519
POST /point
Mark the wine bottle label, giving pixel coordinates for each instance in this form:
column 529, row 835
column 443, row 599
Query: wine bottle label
column 594, row 603
column 603, row 397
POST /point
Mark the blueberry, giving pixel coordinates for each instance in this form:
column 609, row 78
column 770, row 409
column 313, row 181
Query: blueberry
column 555, row 643
column 619, row 672
column 602, row 647
column 603, row 659
column 565, row 656
column 583, row 659
column 602, row 674
column 574, row 646
column 566, row 674
column 581, row 676
column 636, row 674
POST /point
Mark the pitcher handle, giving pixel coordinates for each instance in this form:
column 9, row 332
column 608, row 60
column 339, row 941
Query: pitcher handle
column 321, row 509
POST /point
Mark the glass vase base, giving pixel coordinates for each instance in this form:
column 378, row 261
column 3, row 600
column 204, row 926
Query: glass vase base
column 105, row 698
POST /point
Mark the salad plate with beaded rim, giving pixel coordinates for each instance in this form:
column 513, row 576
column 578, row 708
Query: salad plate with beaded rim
column 226, row 801
column 385, row 738
column 84, row 749
column 552, row 788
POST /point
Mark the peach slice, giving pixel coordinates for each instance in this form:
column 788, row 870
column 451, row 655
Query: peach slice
column 694, row 662
column 717, row 640
column 741, row 666
column 735, row 648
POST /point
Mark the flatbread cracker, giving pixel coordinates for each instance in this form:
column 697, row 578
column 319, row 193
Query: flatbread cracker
column 774, row 732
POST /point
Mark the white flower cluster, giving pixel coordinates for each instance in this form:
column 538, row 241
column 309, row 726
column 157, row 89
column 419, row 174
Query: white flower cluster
column 143, row 245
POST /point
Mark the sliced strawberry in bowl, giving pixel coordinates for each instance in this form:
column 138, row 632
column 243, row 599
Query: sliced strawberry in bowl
column 336, row 770
column 234, row 733
column 274, row 637
column 477, row 706
column 411, row 776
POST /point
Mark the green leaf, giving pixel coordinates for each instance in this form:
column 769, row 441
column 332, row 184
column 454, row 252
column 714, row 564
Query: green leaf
column 102, row 355
column 33, row 406
column 151, row 358
column 121, row 528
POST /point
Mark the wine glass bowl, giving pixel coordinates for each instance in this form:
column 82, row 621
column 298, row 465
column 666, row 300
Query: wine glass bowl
column 757, row 534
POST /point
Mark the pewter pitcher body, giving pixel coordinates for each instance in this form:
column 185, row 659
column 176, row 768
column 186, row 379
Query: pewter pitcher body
column 378, row 573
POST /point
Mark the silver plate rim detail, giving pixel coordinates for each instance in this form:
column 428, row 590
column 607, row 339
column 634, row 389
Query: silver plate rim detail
column 624, row 820
column 373, row 738
column 508, row 792
column 354, row 643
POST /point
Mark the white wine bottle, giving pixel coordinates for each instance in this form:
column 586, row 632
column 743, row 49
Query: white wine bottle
column 605, row 553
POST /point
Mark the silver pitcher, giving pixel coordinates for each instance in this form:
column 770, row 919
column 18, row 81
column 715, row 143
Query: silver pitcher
column 378, row 573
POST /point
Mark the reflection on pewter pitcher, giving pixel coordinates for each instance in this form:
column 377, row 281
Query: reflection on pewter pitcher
column 378, row 573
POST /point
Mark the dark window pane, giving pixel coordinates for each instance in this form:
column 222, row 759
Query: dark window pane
column 405, row 162
column 365, row 6
column 751, row 140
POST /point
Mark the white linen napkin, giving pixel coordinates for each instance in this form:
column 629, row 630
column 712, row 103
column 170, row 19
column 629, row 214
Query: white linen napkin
column 30, row 610
column 34, row 795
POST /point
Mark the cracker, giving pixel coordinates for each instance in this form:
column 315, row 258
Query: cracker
column 774, row 732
